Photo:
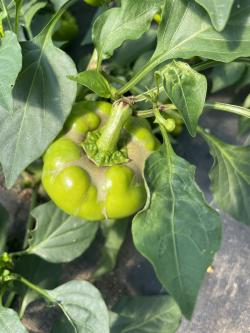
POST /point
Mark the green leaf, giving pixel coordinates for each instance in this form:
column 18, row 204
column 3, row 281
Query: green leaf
column 218, row 10
column 129, row 53
column 189, row 33
column 58, row 3
column 18, row 4
column 4, row 219
column 83, row 305
column 116, row 25
column 114, row 233
column 225, row 75
column 39, row 272
column 178, row 232
column 230, row 176
column 11, row 64
column 10, row 322
column 59, row 237
column 186, row 89
column 43, row 97
column 30, row 9
column 144, row 314
column 185, row 31
column 94, row 81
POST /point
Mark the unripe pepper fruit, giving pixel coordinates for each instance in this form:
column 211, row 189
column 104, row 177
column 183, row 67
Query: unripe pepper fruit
column 83, row 189
column 95, row 3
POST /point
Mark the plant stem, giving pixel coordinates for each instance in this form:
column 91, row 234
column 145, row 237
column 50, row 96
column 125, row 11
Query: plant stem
column 150, row 66
column 93, row 61
column 145, row 113
column 115, row 79
column 30, row 218
column 10, row 299
column 168, row 108
column 239, row 110
column 7, row 14
column 205, row 65
column 17, row 254
column 2, row 291
column 18, row 10
column 120, row 113
column 34, row 287
column 138, row 77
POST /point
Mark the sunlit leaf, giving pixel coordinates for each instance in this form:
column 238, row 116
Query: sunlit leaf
column 43, row 97
column 116, row 25
column 10, row 322
column 10, row 66
column 218, row 10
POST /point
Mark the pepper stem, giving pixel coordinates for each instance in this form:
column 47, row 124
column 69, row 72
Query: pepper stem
column 109, row 138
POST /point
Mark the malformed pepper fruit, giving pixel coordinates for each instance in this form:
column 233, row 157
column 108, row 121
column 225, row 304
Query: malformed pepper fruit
column 92, row 187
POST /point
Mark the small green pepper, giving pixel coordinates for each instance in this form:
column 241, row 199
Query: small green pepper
column 95, row 3
column 80, row 187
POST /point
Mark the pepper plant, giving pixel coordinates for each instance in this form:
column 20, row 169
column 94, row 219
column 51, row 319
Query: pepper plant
column 96, row 139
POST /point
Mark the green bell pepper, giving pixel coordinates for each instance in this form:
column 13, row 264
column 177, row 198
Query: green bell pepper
column 82, row 188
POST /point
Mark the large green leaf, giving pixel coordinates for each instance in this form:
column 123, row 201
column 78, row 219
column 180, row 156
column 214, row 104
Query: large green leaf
column 10, row 322
column 43, row 97
column 39, row 272
column 4, row 219
column 188, row 32
column 59, row 237
column 145, row 314
column 82, row 303
column 116, row 25
column 218, row 10
column 186, row 89
column 10, row 66
column 230, row 176
column 114, row 233
column 178, row 232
